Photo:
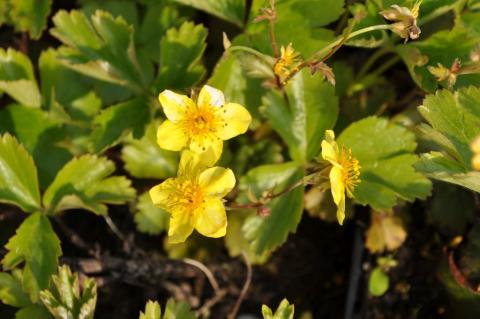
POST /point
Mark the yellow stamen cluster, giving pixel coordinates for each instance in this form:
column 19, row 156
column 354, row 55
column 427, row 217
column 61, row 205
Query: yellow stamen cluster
column 287, row 63
column 350, row 170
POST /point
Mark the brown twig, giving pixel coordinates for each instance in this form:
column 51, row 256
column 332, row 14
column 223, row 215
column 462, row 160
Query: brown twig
column 128, row 244
column 271, row 29
column 267, row 198
column 244, row 291
column 206, row 271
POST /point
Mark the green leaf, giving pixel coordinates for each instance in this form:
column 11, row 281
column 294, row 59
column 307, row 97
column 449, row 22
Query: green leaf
column 33, row 312
column 149, row 218
column 117, row 120
column 18, row 176
column 178, row 310
column 152, row 311
column 311, row 108
column 236, row 241
column 298, row 22
column 17, row 78
column 378, row 282
column 86, row 182
column 284, row 311
column 230, row 77
column 102, row 48
column 65, row 299
column 143, row 158
column 455, row 116
column 266, row 233
column 180, row 53
column 230, row 10
column 158, row 18
column 11, row 291
column 62, row 84
column 36, row 244
column 127, row 10
column 40, row 134
column 30, row 16
column 435, row 165
column 385, row 152
column 442, row 47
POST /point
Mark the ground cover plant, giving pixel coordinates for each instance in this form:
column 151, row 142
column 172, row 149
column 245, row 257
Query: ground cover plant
column 239, row 159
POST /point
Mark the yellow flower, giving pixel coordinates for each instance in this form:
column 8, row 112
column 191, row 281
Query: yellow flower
column 287, row 62
column 202, row 125
column 405, row 20
column 344, row 174
column 194, row 198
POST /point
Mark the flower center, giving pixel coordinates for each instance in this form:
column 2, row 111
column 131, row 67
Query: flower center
column 350, row 170
column 200, row 121
column 186, row 195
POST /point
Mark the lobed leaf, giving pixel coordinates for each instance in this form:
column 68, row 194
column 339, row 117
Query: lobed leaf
column 301, row 118
column 18, row 175
column 266, row 233
column 11, row 291
column 36, row 244
column 101, row 47
column 117, row 120
column 65, row 299
column 230, row 10
column 456, row 117
column 143, row 158
column 40, row 134
column 180, row 53
column 17, row 78
column 86, row 182
column 385, row 152
column 30, row 16
column 230, row 77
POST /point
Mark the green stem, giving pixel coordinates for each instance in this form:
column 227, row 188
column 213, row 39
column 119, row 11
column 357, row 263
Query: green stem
column 385, row 66
column 325, row 50
column 371, row 60
column 241, row 48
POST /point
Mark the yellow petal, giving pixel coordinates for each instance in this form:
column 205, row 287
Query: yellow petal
column 191, row 164
column 170, row 136
column 329, row 148
column 175, row 105
column 180, row 228
column 217, row 181
column 211, row 219
column 211, row 147
column 210, row 97
column 236, row 121
column 341, row 210
column 338, row 192
column 159, row 194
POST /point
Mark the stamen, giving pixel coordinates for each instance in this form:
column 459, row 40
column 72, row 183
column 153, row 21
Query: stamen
column 350, row 171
